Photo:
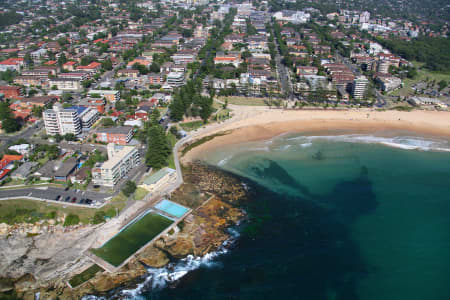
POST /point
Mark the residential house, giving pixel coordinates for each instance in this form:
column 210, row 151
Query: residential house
column 24, row 170
column 14, row 64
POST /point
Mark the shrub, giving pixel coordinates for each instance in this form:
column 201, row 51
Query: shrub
column 71, row 219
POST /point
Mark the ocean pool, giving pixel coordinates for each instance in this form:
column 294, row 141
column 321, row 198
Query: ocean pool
column 171, row 208
column 132, row 237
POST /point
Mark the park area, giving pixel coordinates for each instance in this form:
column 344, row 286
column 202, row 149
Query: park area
column 132, row 237
column 236, row 100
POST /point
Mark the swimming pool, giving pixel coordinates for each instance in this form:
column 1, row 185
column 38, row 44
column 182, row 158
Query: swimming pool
column 132, row 237
column 171, row 208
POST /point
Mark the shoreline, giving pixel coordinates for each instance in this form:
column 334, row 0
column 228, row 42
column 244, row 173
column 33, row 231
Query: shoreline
column 271, row 123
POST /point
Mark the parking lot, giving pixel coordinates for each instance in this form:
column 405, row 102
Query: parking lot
column 60, row 195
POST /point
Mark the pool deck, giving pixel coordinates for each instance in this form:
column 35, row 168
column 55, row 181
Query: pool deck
column 111, row 268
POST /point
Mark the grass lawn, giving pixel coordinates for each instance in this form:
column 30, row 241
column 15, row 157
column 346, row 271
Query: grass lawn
column 132, row 238
column 119, row 202
column 85, row 275
column 14, row 182
column 223, row 114
column 189, row 126
column 140, row 193
column 422, row 75
column 244, row 101
column 22, row 210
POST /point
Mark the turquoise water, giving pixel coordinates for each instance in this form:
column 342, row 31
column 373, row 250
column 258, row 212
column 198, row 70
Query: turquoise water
column 171, row 208
column 338, row 217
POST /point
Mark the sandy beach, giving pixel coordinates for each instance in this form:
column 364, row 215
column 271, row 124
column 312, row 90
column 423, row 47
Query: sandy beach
column 251, row 124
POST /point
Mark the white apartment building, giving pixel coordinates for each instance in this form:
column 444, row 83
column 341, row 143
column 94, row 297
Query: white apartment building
column 65, row 84
column 61, row 121
column 359, row 87
column 121, row 160
column 175, row 79
column 69, row 120
column 88, row 117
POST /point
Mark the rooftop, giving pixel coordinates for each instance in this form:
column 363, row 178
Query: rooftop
column 155, row 177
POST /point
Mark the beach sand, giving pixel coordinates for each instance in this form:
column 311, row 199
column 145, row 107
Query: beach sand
column 252, row 124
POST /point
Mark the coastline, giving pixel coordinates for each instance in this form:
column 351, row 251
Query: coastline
column 265, row 124
column 214, row 197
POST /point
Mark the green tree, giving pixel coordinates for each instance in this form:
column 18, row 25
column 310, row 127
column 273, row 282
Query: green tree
column 158, row 147
column 155, row 67
column 155, row 117
column 71, row 219
column 442, row 84
column 99, row 217
column 107, row 122
column 129, row 188
column 10, row 125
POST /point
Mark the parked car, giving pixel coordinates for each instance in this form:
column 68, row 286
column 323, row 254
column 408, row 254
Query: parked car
column 67, row 199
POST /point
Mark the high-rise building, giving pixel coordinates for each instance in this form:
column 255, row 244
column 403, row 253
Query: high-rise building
column 121, row 159
column 69, row 120
column 61, row 121
column 359, row 87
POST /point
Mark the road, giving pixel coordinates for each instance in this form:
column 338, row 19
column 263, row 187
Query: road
column 50, row 193
column 108, row 75
column 283, row 75
column 26, row 134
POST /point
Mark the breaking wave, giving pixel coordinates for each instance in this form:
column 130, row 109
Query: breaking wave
column 159, row 278
column 224, row 161
column 305, row 145
column 402, row 142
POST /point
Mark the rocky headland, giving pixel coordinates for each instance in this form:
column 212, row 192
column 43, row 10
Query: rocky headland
column 43, row 257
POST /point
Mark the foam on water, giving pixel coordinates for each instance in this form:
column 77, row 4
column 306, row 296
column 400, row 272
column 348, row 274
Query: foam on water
column 224, row 161
column 284, row 147
column 402, row 142
column 159, row 278
column 305, row 145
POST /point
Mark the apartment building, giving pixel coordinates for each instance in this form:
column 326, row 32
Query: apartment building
column 359, row 87
column 118, row 135
column 61, row 121
column 175, row 79
column 233, row 58
column 121, row 160
column 88, row 116
column 65, row 84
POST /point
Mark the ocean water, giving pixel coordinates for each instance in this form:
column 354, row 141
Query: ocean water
column 330, row 217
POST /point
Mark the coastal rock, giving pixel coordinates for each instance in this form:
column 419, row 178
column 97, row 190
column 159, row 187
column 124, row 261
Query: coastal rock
column 25, row 283
column 180, row 248
column 56, row 254
column 4, row 229
column 153, row 257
